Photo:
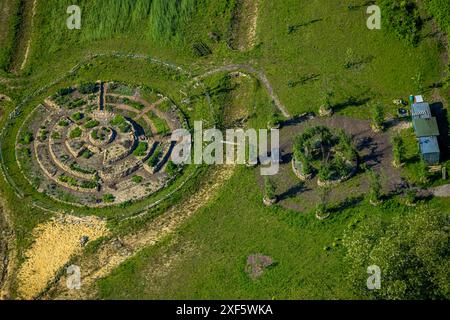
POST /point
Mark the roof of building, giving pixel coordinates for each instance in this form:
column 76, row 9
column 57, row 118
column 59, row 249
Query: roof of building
column 425, row 127
column 428, row 145
column 420, row 110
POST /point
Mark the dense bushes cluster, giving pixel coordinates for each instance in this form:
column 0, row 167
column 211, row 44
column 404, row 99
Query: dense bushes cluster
column 402, row 18
column 318, row 149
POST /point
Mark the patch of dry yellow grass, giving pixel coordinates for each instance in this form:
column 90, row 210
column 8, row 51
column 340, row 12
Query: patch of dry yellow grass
column 55, row 243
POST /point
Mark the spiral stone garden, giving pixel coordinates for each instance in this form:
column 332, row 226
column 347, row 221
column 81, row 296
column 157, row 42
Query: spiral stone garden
column 99, row 144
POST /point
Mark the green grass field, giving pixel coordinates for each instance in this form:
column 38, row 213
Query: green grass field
column 304, row 48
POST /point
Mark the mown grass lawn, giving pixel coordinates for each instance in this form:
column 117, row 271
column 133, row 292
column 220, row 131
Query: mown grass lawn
column 327, row 35
column 206, row 258
column 221, row 236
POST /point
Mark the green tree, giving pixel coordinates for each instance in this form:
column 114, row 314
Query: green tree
column 378, row 118
column 326, row 107
column 322, row 207
column 274, row 121
column 374, row 194
column 412, row 251
column 269, row 189
column 108, row 198
column 424, row 175
column 411, row 196
column 27, row 138
column 171, row 168
column 398, row 150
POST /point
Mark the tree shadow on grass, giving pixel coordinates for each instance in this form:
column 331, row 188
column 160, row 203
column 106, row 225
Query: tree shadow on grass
column 296, row 119
column 295, row 27
column 293, row 191
column 351, row 102
column 360, row 62
column 347, row 203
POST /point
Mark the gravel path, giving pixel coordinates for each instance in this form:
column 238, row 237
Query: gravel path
column 251, row 70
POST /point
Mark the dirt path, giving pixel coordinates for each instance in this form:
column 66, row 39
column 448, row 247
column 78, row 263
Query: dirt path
column 258, row 74
column 28, row 46
column 148, row 106
column 124, row 107
column 114, row 252
column 246, row 22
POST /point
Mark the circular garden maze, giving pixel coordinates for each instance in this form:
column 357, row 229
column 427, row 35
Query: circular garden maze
column 99, row 144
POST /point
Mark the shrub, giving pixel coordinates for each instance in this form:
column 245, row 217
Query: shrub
column 411, row 196
column 76, row 167
column 141, row 149
column 75, row 103
column 154, row 158
column 171, row 168
column 398, row 149
column 108, row 198
column 117, row 120
column 88, row 184
column 75, row 133
column 378, row 117
column 322, row 206
column 424, row 175
column 374, row 193
column 87, row 87
column 77, row 116
column 275, row 120
column 269, row 189
column 27, row 138
column 94, row 134
column 325, row 172
column 121, row 89
column 125, row 127
column 87, row 154
column 63, row 123
column 137, row 179
column 91, row 124
column 69, row 180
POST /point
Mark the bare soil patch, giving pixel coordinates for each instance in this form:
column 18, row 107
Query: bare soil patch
column 374, row 149
column 55, row 243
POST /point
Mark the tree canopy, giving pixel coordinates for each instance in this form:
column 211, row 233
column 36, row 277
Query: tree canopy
column 412, row 251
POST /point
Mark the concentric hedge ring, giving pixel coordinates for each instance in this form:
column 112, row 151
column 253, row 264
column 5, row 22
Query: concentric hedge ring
column 98, row 144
